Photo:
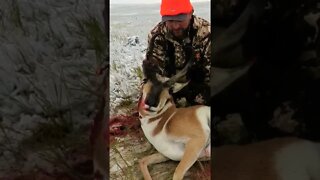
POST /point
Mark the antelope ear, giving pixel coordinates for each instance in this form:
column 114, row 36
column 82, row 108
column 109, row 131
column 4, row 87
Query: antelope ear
column 178, row 86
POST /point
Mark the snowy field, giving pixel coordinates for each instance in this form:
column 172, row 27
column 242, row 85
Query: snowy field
column 49, row 51
column 129, row 28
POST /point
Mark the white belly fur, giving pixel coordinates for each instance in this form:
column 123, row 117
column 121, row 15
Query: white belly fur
column 173, row 148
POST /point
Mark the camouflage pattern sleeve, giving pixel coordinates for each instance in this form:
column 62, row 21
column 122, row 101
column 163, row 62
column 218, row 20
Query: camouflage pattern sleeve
column 158, row 51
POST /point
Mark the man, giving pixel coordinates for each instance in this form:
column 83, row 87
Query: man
column 179, row 38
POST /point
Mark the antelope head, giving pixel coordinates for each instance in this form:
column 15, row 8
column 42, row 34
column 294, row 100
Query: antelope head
column 156, row 89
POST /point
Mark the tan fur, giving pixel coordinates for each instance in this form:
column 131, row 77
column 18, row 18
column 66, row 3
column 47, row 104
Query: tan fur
column 163, row 120
column 151, row 159
column 193, row 148
column 163, row 98
column 146, row 88
column 184, row 123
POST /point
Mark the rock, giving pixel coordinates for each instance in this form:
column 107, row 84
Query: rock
column 133, row 40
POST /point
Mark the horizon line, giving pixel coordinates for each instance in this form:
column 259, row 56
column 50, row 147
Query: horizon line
column 127, row 3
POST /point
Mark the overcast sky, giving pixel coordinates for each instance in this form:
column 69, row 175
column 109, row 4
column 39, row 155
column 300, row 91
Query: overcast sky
column 142, row 1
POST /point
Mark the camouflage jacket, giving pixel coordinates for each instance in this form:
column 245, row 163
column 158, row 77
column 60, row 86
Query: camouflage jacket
column 201, row 45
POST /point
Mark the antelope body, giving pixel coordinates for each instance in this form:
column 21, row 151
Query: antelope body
column 180, row 134
column 170, row 131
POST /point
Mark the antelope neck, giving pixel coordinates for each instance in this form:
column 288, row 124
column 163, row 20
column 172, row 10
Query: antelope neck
column 168, row 107
column 165, row 113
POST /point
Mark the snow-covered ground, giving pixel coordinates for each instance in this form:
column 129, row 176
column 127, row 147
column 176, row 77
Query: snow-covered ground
column 49, row 50
column 127, row 23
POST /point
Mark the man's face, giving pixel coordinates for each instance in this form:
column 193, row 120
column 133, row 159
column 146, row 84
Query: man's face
column 179, row 28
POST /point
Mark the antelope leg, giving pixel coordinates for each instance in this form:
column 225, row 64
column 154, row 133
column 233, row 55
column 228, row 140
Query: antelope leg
column 148, row 160
column 192, row 151
column 205, row 154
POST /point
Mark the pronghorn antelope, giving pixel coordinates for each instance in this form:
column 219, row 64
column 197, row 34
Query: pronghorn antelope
column 180, row 134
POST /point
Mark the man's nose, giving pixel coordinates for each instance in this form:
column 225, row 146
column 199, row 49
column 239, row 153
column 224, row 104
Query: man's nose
column 175, row 26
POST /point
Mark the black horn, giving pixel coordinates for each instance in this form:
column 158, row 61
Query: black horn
column 150, row 69
column 179, row 75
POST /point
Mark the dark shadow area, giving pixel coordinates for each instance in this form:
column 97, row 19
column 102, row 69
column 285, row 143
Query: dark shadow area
column 53, row 89
column 283, row 45
column 266, row 63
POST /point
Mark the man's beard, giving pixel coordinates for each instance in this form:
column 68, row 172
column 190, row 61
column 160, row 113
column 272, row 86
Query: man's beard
column 180, row 33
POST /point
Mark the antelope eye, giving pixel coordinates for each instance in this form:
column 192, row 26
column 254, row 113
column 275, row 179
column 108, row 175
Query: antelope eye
column 171, row 90
column 144, row 81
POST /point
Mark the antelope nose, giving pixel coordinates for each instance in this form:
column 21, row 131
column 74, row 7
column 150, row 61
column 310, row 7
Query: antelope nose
column 151, row 102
